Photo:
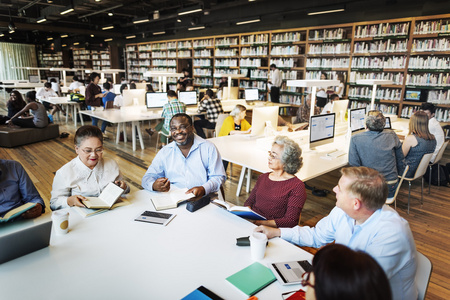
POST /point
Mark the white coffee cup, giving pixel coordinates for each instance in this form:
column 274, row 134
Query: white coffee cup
column 92, row 108
column 60, row 221
column 258, row 242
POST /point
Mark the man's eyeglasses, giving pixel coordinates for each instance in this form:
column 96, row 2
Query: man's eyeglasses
column 181, row 128
column 305, row 279
column 89, row 151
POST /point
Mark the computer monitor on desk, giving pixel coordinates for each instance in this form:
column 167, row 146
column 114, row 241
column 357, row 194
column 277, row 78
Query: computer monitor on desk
column 234, row 94
column 321, row 130
column 117, row 88
column 340, row 108
column 156, row 100
column 33, row 78
column 134, row 97
column 251, row 94
column 260, row 116
column 356, row 118
column 188, row 98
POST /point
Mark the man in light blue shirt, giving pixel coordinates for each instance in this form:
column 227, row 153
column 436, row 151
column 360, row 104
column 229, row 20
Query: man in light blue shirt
column 361, row 221
column 188, row 162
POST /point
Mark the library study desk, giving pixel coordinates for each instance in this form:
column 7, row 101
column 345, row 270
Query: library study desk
column 110, row 256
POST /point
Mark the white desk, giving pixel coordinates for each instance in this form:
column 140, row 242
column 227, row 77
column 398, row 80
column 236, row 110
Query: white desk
column 67, row 103
column 19, row 86
column 110, row 256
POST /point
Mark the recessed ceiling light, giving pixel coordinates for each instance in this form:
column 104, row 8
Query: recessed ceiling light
column 110, row 14
column 67, row 11
column 197, row 28
column 2, row 34
column 130, row 37
column 75, row 44
column 108, row 27
column 49, row 39
column 325, row 11
column 41, row 20
column 63, row 45
column 108, row 40
column 64, row 36
column 92, row 35
column 248, row 21
column 140, row 20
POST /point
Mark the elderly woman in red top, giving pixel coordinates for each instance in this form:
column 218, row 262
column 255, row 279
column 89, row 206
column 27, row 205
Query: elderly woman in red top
column 279, row 195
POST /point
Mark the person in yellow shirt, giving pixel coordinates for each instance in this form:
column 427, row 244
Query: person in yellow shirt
column 236, row 122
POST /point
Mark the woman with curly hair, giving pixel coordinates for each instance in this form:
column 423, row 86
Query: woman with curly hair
column 279, row 195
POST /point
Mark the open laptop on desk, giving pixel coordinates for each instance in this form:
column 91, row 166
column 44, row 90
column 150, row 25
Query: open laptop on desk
column 21, row 242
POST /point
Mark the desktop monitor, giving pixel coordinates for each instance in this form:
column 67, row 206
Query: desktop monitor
column 251, row 94
column 357, row 118
column 33, row 79
column 321, row 130
column 134, row 97
column 340, row 108
column 188, row 98
column 232, row 96
column 416, row 95
column 156, row 100
column 259, row 117
column 388, row 123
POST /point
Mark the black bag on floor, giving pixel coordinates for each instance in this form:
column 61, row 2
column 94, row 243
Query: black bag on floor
column 443, row 174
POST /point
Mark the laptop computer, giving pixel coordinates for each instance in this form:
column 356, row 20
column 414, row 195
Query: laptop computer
column 21, row 242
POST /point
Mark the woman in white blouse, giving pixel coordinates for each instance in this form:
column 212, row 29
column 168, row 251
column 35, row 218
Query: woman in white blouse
column 87, row 174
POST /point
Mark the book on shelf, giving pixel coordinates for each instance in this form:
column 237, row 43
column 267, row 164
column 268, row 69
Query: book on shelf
column 241, row 211
column 252, row 279
column 170, row 199
column 16, row 212
column 106, row 199
column 87, row 212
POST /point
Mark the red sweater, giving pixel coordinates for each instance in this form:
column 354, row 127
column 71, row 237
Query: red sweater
column 281, row 201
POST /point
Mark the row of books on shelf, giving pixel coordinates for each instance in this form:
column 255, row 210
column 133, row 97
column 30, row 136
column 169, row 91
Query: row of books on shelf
column 381, row 46
column 429, row 79
column 81, row 57
column 429, row 62
column 204, row 81
column 144, row 55
column 397, row 78
column 226, row 41
column 202, row 43
column 202, row 63
column 427, row 27
column 328, row 62
column 327, row 34
column 439, row 97
column 254, row 51
column 101, row 63
column 426, row 45
column 202, row 72
column 184, row 53
column 381, row 93
column 226, row 52
column 288, row 37
column 255, row 39
column 250, row 62
column 226, row 72
column 184, row 44
column 340, row 48
column 441, row 114
column 291, row 99
column 315, row 75
column 384, row 108
column 253, row 84
column 383, row 29
column 229, row 62
column 285, row 50
column 283, row 62
column 202, row 53
column 390, row 62
column 164, row 62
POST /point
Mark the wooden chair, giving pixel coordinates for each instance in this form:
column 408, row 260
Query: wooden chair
column 394, row 199
column 421, row 169
column 436, row 161
column 423, row 274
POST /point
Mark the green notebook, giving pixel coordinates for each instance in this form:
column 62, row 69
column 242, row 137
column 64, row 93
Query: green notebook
column 252, row 279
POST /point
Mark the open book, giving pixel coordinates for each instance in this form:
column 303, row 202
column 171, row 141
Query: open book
column 87, row 212
column 106, row 199
column 14, row 213
column 241, row 211
column 170, row 199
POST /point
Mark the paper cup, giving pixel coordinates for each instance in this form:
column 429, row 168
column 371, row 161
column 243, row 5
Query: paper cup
column 60, row 221
column 92, row 108
column 258, row 242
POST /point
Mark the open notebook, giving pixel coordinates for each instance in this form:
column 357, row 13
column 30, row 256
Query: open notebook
column 106, row 199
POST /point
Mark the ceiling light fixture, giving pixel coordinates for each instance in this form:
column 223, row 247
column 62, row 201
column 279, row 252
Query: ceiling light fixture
column 98, row 0
column 141, row 20
column 190, row 10
column 130, row 37
column 12, row 27
column 248, row 21
column 66, row 11
column 110, row 14
column 64, row 36
column 108, row 27
column 76, row 44
column 49, row 39
column 159, row 32
column 108, row 40
column 63, row 45
column 2, row 34
column 329, row 11
column 179, row 20
column 197, row 28
column 156, row 15
column 49, row 1
column 92, row 35
column 41, row 20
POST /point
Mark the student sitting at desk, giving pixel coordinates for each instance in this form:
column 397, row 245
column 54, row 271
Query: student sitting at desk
column 14, row 105
column 118, row 100
column 279, row 196
column 188, row 162
column 327, row 108
column 18, row 189
column 418, row 142
column 74, row 87
column 87, row 174
column 362, row 221
column 45, row 93
column 339, row 272
column 304, row 111
column 213, row 109
column 39, row 119
column 236, row 122
column 108, row 99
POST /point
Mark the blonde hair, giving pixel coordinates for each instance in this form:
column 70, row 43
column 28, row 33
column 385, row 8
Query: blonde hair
column 237, row 110
column 418, row 125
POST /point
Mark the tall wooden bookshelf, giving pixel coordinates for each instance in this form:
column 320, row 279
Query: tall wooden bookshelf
column 412, row 52
column 91, row 59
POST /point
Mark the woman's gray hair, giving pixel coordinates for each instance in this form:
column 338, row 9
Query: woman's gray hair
column 291, row 157
column 375, row 121
column 237, row 110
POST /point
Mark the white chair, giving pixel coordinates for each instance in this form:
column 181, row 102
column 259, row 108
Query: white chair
column 394, row 199
column 220, row 119
column 421, row 169
column 436, row 161
column 423, row 273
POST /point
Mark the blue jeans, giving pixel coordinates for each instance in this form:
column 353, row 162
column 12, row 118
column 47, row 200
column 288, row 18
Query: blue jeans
column 391, row 189
column 95, row 122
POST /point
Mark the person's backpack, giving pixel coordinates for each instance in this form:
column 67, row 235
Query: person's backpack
column 76, row 97
column 443, row 175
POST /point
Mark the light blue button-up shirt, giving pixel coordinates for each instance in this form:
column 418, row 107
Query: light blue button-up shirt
column 385, row 236
column 202, row 167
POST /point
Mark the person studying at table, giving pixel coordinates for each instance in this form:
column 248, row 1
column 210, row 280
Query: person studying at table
column 87, row 174
column 187, row 162
column 279, row 195
column 46, row 92
column 18, row 189
column 236, row 122
column 362, row 221
column 304, row 111
column 118, row 100
column 213, row 108
column 38, row 119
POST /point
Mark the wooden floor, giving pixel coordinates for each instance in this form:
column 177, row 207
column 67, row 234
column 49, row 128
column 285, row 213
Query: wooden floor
column 430, row 224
